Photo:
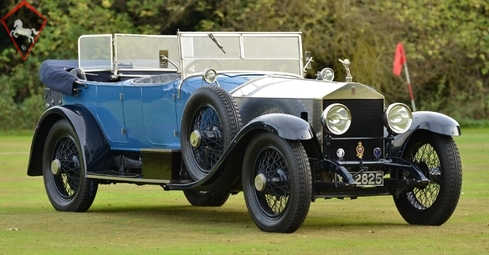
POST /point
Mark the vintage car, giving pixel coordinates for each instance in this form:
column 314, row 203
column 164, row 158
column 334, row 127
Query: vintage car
column 218, row 113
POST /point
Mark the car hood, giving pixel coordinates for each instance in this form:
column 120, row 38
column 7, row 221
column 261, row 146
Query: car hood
column 291, row 87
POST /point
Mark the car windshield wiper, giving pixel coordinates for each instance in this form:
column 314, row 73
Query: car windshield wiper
column 217, row 43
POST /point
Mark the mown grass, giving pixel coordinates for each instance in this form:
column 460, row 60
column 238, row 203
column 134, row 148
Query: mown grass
column 130, row 219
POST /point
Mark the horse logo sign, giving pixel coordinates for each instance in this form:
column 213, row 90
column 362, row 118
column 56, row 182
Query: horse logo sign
column 24, row 24
column 19, row 30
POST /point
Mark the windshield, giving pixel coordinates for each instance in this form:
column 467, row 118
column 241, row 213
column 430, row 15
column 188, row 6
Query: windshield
column 234, row 51
column 146, row 52
column 128, row 52
column 95, row 52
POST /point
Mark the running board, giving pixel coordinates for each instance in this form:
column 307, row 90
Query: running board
column 126, row 178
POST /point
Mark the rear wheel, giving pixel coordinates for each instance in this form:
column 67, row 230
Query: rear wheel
column 438, row 157
column 206, row 198
column 276, row 183
column 64, row 170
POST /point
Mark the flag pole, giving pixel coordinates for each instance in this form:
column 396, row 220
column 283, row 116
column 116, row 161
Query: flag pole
column 399, row 61
column 411, row 95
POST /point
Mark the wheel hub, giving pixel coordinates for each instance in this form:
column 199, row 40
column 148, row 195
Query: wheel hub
column 260, row 182
column 56, row 167
column 195, row 138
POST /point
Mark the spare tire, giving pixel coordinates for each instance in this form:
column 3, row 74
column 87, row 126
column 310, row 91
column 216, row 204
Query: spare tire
column 210, row 121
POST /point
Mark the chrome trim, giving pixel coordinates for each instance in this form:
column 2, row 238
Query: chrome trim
column 157, row 150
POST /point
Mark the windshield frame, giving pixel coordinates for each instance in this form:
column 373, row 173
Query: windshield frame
column 118, row 52
column 237, row 53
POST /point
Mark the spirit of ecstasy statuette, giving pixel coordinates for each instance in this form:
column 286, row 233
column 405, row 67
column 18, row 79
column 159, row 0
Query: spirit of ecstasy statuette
column 346, row 64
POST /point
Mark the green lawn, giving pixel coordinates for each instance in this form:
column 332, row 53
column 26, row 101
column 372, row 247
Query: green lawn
column 130, row 219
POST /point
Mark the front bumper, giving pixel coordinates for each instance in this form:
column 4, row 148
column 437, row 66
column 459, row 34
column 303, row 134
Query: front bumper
column 399, row 175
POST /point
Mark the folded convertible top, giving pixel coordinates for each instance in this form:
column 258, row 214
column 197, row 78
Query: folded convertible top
column 55, row 75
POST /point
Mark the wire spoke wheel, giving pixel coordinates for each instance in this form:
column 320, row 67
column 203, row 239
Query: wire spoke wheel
column 210, row 121
column 274, row 198
column 64, row 170
column 276, row 183
column 427, row 158
column 67, row 181
column 438, row 158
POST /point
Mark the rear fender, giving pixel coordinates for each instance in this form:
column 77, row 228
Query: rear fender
column 429, row 121
column 96, row 151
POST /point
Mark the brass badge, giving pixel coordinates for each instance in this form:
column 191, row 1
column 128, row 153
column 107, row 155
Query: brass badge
column 360, row 150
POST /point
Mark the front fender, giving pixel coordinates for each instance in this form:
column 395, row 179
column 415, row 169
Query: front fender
column 96, row 150
column 435, row 122
column 284, row 125
column 227, row 171
column 424, row 120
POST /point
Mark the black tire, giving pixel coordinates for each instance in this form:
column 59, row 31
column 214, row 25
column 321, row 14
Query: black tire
column 206, row 198
column 210, row 121
column 64, row 170
column 281, row 199
column 438, row 157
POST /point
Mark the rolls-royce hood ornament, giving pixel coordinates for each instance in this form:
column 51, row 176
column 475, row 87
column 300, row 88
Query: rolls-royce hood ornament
column 346, row 64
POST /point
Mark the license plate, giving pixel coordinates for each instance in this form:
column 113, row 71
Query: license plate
column 370, row 178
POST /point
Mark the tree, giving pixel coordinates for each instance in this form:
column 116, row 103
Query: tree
column 446, row 43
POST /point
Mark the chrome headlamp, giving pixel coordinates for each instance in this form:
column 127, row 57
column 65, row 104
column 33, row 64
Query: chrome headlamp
column 209, row 75
column 336, row 119
column 398, row 118
column 327, row 74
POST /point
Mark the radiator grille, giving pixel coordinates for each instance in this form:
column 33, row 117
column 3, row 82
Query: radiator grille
column 366, row 122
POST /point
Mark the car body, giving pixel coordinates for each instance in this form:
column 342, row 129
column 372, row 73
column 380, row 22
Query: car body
column 218, row 113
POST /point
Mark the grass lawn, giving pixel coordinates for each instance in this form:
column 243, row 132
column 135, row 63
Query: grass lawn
column 130, row 219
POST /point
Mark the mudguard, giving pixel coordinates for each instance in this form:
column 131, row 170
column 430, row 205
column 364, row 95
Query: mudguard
column 286, row 126
column 424, row 120
column 95, row 149
column 227, row 171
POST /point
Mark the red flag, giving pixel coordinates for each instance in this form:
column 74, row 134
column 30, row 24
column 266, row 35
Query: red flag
column 399, row 60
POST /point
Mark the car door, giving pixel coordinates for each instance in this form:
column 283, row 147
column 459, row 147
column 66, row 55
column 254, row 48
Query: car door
column 149, row 113
column 109, row 112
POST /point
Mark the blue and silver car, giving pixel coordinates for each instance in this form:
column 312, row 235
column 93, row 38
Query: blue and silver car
column 217, row 113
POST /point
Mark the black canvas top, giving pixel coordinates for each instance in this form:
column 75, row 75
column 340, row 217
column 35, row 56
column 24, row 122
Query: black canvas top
column 55, row 75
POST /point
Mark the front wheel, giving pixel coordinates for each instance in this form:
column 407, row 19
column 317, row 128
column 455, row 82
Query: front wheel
column 276, row 183
column 438, row 157
column 64, row 170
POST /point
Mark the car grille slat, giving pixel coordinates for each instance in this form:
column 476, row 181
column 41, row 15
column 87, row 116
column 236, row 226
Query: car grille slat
column 366, row 122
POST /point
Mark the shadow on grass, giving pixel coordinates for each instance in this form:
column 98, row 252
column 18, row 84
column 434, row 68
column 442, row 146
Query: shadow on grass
column 238, row 217
column 178, row 213
column 338, row 222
